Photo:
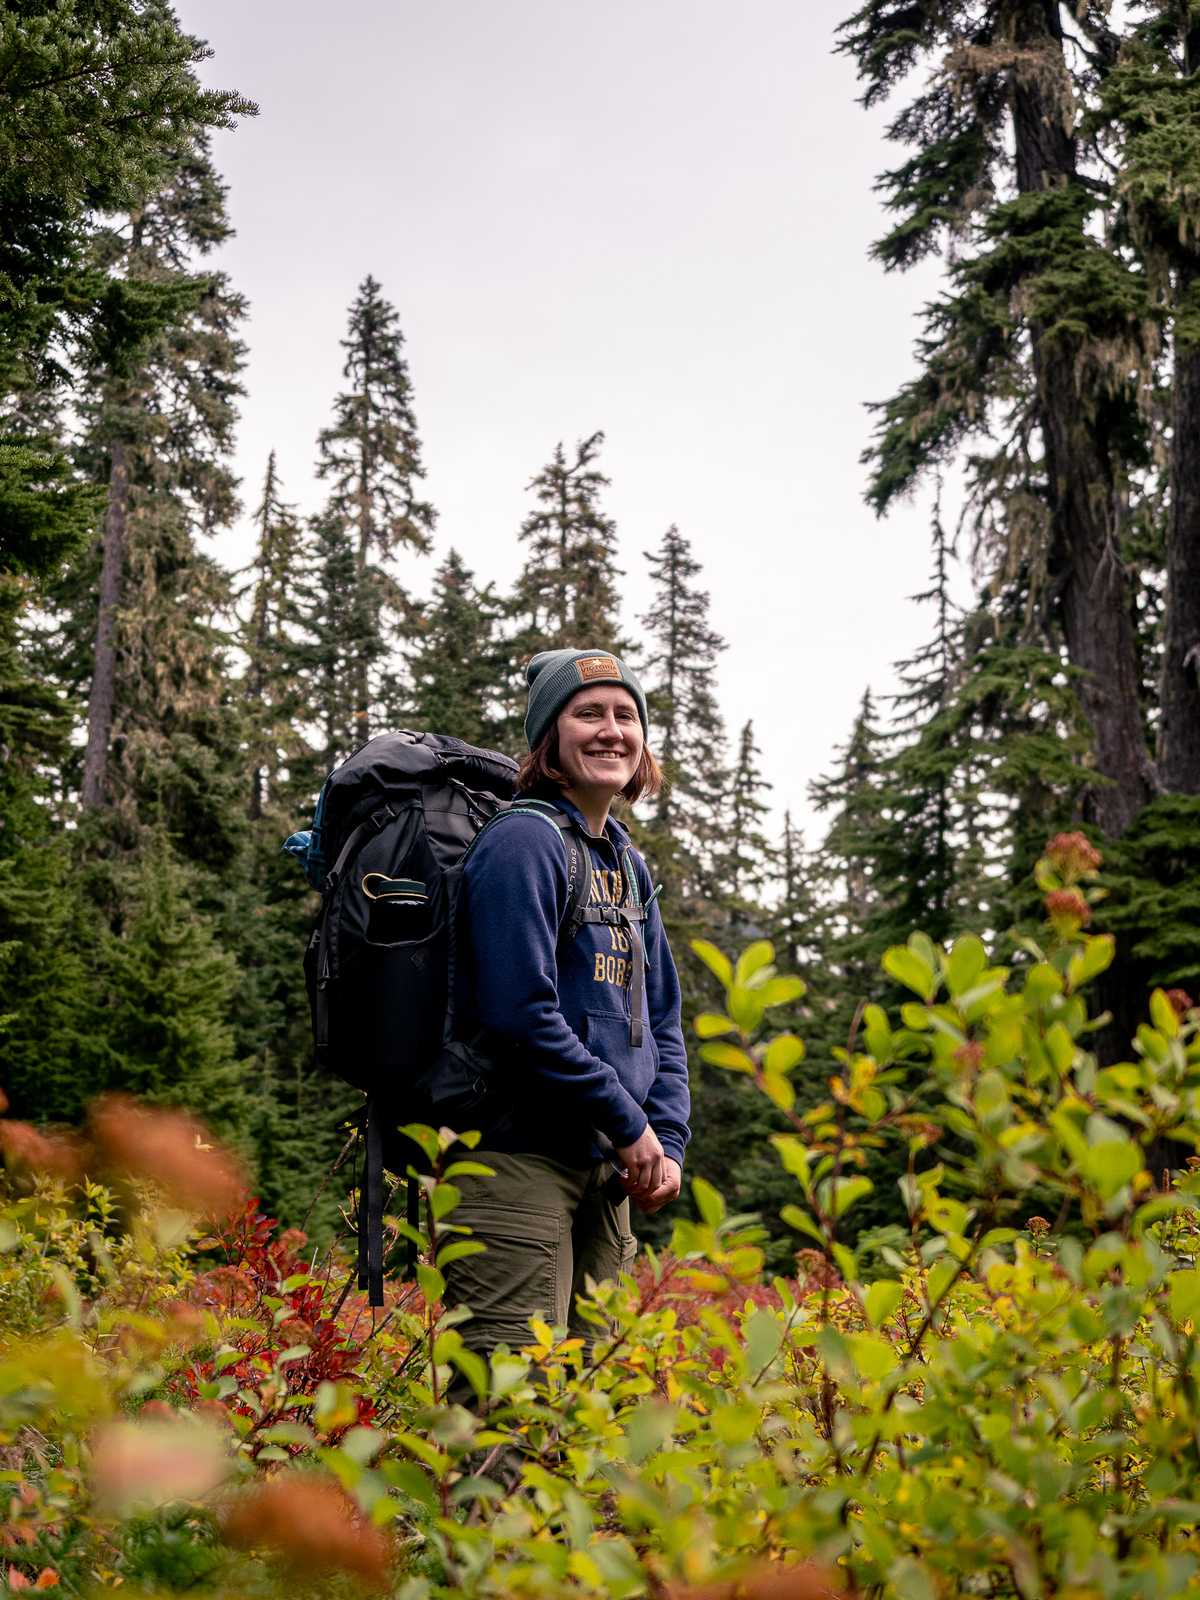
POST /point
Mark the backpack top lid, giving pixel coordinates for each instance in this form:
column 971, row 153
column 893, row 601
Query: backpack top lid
column 387, row 764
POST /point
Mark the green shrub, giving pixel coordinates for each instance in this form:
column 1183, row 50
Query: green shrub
column 1002, row 1400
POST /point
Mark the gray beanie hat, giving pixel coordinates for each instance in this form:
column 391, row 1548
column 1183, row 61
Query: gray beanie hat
column 555, row 675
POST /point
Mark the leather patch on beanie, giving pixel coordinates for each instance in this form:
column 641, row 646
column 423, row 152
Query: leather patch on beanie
column 592, row 667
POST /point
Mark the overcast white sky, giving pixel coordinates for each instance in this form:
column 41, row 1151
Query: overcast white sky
column 647, row 218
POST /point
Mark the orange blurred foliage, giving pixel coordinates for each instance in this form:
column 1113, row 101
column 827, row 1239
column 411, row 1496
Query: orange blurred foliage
column 47, row 1578
column 311, row 1524
column 55, row 1153
column 154, row 1462
column 805, row 1582
column 171, row 1149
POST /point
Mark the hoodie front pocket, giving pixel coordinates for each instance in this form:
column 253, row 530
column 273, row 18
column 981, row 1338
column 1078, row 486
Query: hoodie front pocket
column 607, row 1036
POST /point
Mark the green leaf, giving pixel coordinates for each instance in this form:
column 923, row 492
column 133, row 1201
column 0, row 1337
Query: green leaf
column 473, row 1368
column 846, row 1262
column 908, row 968
column 877, row 1031
column 783, row 1053
column 711, row 1024
column 873, row 1356
column 780, row 991
column 425, row 1137
column 469, row 1169
column 430, row 1282
column 909, row 1579
column 881, row 1299
column 763, row 1335
column 1163, row 1015
column 778, row 1090
column 1183, row 1295
column 288, row 1433
column 752, row 959
column 712, row 958
column 966, row 961
column 458, row 1251
column 709, row 1202
column 1042, row 983
column 1095, row 957
column 727, row 1056
column 793, row 1154
column 408, row 1477
column 745, row 1006
column 1110, row 1165
column 837, row 1195
column 802, row 1222
column 443, row 1199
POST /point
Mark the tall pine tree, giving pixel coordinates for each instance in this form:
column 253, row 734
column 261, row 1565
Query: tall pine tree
column 148, row 614
column 275, row 643
column 371, row 456
column 1041, row 349
column 566, row 593
column 686, row 726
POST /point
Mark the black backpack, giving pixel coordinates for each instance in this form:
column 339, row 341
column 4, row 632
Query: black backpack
column 391, row 829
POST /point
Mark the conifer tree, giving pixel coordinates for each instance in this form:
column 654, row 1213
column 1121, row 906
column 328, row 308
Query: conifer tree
column 851, row 794
column 687, row 730
column 796, row 920
column 1146, row 120
column 371, row 455
column 96, row 96
column 458, row 666
column 928, row 843
column 748, row 859
column 566, row 594
column 332, row 627
column 96, row 101
column 168, row 988
column 1044, row 338
column 147, row 616
column 274, row 642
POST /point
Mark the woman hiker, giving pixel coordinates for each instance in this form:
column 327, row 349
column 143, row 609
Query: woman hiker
column 593, row 1089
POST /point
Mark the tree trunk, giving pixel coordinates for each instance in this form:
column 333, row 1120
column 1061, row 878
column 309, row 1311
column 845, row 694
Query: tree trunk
column 1179, row 728
column 102, row 696
column 1086, row 563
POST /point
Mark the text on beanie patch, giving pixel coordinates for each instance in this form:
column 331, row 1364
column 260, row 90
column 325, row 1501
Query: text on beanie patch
column 592, row 667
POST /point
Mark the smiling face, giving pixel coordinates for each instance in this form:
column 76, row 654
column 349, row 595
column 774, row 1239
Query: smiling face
column 599, row 740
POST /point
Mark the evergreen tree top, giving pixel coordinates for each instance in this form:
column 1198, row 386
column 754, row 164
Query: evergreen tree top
column 372, row 451
column 567, row 590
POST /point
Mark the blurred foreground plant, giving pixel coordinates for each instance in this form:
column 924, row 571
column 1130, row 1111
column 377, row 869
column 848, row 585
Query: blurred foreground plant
column 1009, row 1410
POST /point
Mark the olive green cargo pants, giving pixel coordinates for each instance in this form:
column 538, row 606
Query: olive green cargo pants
column 547, row 1229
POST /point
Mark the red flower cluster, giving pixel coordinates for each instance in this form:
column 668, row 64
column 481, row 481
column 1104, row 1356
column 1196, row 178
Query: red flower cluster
column 1068, row 911
column 1073, row 856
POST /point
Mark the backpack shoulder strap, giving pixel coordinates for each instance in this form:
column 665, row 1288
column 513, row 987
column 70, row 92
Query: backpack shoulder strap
column 578, row 873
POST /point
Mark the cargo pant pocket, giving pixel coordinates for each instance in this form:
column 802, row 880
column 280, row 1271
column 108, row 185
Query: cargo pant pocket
column 516, row 1276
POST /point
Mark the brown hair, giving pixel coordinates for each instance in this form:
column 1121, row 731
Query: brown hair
column 539, row 773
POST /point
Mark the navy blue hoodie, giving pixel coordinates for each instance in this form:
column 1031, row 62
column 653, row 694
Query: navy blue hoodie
column 560, row 1014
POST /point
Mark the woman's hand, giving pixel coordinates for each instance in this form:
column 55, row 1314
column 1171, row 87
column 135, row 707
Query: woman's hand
column 667, row 1191
column 643, row 1163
